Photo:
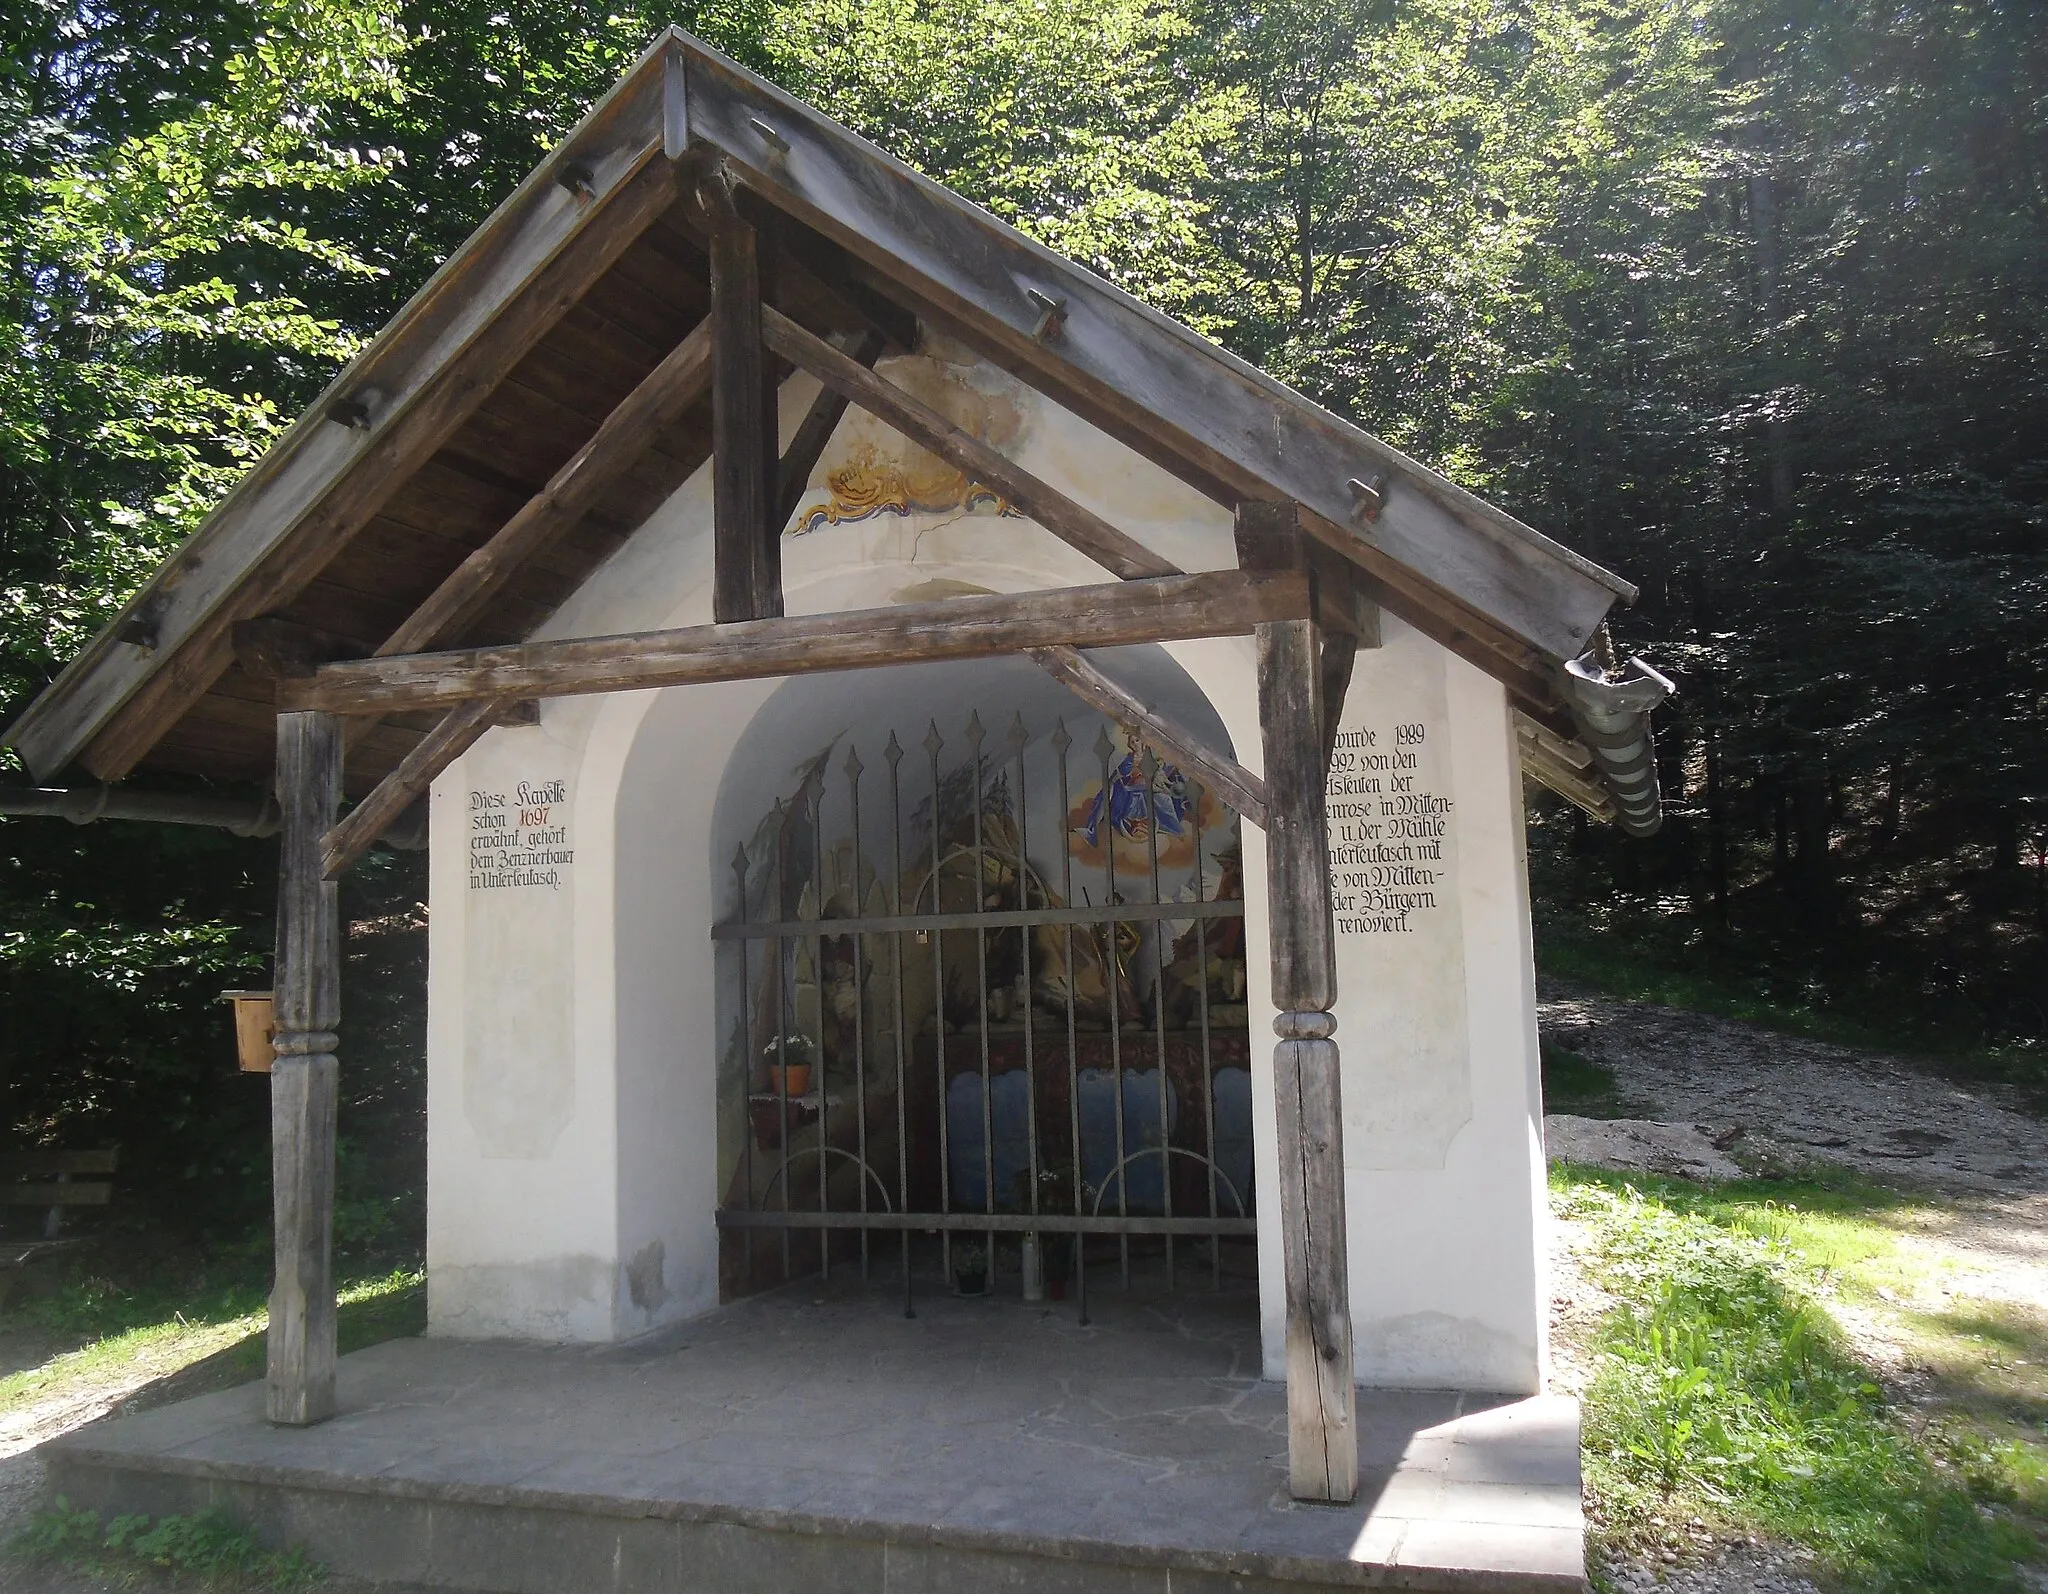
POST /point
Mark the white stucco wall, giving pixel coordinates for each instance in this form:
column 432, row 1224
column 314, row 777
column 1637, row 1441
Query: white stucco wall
column 572, row 1029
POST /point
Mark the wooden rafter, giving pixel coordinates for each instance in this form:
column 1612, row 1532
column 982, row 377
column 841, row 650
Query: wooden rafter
column 661, row 398
column 1155, row 609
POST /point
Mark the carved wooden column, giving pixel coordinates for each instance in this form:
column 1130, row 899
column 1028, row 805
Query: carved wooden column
column 300, row 1382
column 1322, row 1434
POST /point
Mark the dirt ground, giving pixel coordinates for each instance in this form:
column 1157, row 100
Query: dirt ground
column 1777, row 1102
column 1897, row 1123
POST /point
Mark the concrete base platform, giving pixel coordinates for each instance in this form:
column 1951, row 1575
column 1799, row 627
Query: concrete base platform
column 814, row 1440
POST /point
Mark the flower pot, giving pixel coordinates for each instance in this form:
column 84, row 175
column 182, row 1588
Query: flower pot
column 789, row 1079
column 971, row 1283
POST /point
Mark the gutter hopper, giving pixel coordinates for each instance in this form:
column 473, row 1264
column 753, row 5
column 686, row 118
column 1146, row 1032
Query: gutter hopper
column 1612, row 707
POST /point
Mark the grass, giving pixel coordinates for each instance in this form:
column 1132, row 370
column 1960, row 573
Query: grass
column 1574, row 1083
column 1728, row 1401
column 125, row 1339
column 210, row 1550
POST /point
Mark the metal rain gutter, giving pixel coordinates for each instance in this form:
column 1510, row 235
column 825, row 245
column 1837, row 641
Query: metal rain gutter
column 1611, row 706
column 82, row 805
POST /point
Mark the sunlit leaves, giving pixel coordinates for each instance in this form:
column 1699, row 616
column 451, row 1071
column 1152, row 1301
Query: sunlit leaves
column 142, row 347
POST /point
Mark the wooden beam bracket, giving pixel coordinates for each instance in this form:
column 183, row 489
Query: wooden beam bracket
column 300, row 1355
column 1223, row 775
column 342, row 844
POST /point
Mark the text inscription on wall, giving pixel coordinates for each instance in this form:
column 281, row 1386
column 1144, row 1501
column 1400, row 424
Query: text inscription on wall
column 520, row 838
column 1394, row 822
column 1389, row 871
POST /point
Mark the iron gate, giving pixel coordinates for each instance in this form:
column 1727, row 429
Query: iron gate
column 990, row 988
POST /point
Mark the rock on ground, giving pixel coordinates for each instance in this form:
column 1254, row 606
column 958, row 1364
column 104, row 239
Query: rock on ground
column 1637, row 1145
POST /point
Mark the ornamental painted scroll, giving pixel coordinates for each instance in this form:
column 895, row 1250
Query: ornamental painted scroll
column 870, row 469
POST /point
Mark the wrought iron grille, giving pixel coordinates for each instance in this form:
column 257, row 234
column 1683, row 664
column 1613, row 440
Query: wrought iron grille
column 992, row 987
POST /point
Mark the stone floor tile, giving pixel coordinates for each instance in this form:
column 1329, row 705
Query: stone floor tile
column 1494, row 1552
column 1010, row 1426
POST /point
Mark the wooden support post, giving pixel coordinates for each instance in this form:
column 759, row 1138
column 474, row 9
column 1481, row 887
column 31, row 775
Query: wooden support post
column 300, row 1383
column 746, row 537
column 1322, row 1435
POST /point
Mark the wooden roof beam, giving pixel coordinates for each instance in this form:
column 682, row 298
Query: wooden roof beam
column 1150, row 609
column 431, row 365
column 395, row 450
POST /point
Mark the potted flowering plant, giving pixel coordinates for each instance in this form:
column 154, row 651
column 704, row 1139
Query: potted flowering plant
column 970, row 1269
column 789, row 1064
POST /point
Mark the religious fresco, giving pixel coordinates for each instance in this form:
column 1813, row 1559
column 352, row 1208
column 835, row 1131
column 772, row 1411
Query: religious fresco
column 869, row 469
column 1141, row 801
column 868, row 484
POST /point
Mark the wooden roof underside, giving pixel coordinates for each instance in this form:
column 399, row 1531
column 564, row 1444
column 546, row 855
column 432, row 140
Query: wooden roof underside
column 506, row 364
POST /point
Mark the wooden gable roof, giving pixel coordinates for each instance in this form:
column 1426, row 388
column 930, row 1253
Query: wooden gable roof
column 481, row 396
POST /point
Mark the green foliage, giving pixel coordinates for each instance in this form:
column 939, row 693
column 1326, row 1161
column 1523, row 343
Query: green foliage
column 210, row 1546
column 148, row 339
column 181, row 1336
column 1725, row 1396
column 1068, row 119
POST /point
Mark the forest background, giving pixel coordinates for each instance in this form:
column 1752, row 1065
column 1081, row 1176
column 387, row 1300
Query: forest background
column 1745, row 299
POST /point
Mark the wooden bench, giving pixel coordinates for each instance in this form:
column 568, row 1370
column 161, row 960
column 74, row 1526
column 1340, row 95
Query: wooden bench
column 48, row 1179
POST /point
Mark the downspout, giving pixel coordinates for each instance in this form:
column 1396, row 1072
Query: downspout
column 1611, row 705
column 82, row 805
